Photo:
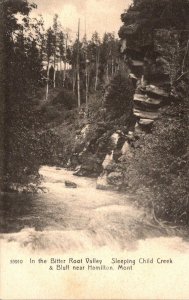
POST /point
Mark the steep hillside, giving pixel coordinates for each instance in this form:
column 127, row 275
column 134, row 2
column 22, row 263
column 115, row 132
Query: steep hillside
column 135, row 137
column 155, row 48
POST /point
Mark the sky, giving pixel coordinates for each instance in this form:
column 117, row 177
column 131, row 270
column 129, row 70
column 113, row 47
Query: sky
column 101, row 15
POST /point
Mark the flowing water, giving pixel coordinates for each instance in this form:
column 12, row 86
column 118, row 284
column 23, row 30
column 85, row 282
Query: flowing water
column 86, row 222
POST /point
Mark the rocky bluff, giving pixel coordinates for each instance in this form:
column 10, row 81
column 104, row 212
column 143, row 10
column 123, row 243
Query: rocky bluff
column 154, row 66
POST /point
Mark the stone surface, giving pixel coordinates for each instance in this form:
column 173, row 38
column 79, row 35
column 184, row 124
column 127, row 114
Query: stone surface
column 126, row 150
column 145, row 100
column 123, row 45
column 137, row 63
column 146, row 114
column 113, row 167
column 157, row 91
column 114, row 138
column 131, row 29
column 115, row 178
column 140, row 97
column 85, row 130
column 132, row 76
column 154, row 102
column 108, row 160
column 146, row 122
column 102, row 183
column 70, row 184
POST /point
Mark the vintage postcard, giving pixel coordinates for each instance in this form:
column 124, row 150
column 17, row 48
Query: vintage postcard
column 94, row 149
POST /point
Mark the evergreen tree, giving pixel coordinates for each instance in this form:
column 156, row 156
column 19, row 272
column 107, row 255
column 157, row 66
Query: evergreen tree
column 49, row 52
column 22, row 70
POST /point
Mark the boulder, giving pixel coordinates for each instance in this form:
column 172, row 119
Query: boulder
column 70, row 184
column 77, row 170
column 154, row 102
column 133, row 76
column 114, row 139
column 140, row 97
column 152, row 89
column 130, row 135
column 108, row 160
column 126, row 149
column 123, row 45
column 113, row 167
column 146, row 122
column 146, row 114
column 138, row 130
column 85, row 130
column 115, row 178
column 147, row 100
column 102, row 184
column 73, row 162
column 137, row 63
column 89, row 164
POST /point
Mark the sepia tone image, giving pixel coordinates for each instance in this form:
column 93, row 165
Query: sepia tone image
column 94, row 148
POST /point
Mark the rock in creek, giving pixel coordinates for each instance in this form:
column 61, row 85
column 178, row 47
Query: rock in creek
column 70, row 184
column 102, row 184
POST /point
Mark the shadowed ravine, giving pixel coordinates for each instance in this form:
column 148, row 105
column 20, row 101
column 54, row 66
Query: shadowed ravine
column 75, row 219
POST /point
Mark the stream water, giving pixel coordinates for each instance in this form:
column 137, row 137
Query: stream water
column 85, row 221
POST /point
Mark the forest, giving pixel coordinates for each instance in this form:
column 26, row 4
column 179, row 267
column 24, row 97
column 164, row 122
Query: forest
column 115, row 109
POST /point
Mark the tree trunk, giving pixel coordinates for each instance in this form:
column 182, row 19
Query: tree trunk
column 107, row 72
column 97, row 67
column 54, row 78
column 73, row 78
column 78, row 68
column 112, row 66
column 78, row 87
column 60, row 72
column 87, row 85
column 64, row 78
column 64, row 73
column 47, row 87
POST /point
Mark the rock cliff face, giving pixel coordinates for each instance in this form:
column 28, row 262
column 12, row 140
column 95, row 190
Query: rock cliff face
column 157, row 58
column 155, row 51
column 158, row 62
column 100, row 145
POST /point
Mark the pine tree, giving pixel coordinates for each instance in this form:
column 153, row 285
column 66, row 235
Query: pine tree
column 22, row 69
column 49, row 54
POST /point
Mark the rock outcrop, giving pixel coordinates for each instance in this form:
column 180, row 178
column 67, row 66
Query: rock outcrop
column 153, row 57
column 154, row 61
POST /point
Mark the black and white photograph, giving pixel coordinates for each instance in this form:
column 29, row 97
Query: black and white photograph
column 94, row 149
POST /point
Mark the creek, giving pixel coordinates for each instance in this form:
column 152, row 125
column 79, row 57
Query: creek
column 82, row 223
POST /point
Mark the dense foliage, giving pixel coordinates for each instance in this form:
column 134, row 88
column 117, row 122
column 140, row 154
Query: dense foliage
column 158, row 170
column 34, row 59
column 22, row 72
column 119, row 97
column 160, row 164
column 155, row 14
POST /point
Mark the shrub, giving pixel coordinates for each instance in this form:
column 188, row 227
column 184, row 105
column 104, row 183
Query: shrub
column 161, row 164
column 119, row 97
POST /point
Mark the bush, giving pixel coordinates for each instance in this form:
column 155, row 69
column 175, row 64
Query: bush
column 22, row 142
column 67, row 98
column 119, row 97
column 161, row 164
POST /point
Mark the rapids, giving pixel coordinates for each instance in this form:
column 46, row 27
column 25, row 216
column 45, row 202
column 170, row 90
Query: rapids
column 85, row 222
